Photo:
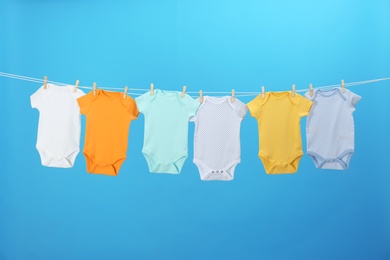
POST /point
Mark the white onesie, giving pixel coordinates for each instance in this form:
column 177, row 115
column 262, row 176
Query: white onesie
column 58, row 138
column 330, row 128
column 217, row 137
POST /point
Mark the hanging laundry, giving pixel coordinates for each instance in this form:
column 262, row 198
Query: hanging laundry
column 166, row 129
column 330, row 128
column 278, row 115
column 58, row 138
column 217, row 147
column 108, row 117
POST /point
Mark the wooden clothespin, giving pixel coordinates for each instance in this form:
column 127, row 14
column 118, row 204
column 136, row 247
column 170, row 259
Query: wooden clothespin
column 151, row 89
column 233, row 97
column 94, row 88
column 184, row 91
column 201, row 96
column 342, row 86
column 125, row 92
column 45, row 82
column 76, row 86
column 311, row 89
column 293, row 90
column 262, row 92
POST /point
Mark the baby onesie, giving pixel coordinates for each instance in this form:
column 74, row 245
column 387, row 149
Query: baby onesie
column 58, row 137
column 166, row 129
column 330, row 128
column 108, row 116
column 278, row 115
column 217, row 137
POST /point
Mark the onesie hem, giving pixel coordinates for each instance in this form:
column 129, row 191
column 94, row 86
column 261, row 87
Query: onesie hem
column 212, row 173
column 66, row 161
column 106, row 168
column 320, row 162
column 272, row 167
column 172, row 167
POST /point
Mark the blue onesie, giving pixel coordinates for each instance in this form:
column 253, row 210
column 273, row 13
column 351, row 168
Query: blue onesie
column 330, row 128
column 166, row 129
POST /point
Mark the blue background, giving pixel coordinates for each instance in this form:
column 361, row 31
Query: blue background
column 49, row 213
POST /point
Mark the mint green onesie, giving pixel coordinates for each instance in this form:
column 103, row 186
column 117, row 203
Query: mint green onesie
column 166, row 129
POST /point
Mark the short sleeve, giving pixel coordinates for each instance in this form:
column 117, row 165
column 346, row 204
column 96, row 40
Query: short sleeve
column 191, row 105
column 307, row 95
column 241, row 109
column 303, row 105
column 133, row 110
column 143, row 102
column 195, row 117
column 353, row 99
column 36, row 98
column 84, row 103
column 79, row 93
column 254, row 107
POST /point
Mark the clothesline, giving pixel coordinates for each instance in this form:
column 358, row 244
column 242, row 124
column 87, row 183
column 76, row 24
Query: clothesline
column 237, row 94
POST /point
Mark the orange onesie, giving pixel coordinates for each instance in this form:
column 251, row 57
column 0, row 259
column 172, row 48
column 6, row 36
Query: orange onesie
column 108, row 116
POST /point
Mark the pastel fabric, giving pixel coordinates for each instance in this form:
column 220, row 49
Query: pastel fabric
column 278, row 116
column 108, row 117
column 217, row 147
column 166, row 115
column 330, row 129
column 58, row 139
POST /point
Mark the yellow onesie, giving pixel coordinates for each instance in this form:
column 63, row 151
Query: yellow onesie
column 278, row 116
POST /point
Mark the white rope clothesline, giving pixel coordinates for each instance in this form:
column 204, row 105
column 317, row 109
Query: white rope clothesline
column 237, row 94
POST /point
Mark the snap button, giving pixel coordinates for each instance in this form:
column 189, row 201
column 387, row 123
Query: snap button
column 217, row 171
column 212, row 171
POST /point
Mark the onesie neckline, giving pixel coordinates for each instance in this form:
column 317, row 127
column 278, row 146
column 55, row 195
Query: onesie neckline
column 166, row 93
column 107, row 94
column 54, row 87
column 330, row 92
column 279, row 95
column 216, row 100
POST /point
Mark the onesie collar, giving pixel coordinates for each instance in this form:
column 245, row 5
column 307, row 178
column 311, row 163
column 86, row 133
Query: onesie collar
column 110, row 95
column 278, row 95
column 329, row 92
column 217, row 100
column 165, row 93
column 52, row 87
column 56, row 88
